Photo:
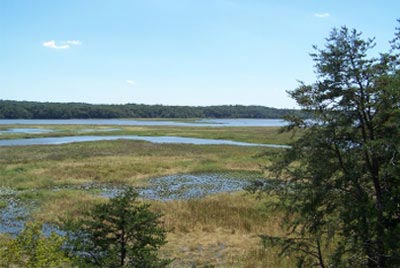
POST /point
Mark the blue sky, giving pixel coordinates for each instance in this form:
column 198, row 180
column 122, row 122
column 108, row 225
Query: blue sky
column 172, row 52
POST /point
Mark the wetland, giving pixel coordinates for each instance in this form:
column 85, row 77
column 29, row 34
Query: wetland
column 199, row 188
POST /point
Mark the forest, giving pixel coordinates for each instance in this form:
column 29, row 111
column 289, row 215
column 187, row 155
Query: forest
column 50, row 110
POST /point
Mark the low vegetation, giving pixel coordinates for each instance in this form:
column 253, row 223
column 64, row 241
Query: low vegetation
column 122, row 161
column 268, row 135
column 218, row 230
column 31, row 248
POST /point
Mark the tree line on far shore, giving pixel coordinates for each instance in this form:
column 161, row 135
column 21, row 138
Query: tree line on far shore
column 51, row 110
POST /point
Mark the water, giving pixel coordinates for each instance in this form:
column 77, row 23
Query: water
column 25, row 131
column 128, row 122
column 14, row 214
column 245, row 122
column 186, row 186
column 174, row 187
column 13, row 217
column 153, row 139
column 191, row 186
column 86, row 130
column 43, row 130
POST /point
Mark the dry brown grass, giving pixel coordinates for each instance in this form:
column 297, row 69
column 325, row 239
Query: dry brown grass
column 219, row 231
column 64, row 204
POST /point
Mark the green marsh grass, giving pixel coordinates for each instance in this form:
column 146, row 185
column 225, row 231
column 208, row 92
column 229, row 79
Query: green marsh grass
column 216, row 231
column 120, row 161
column 269, row 135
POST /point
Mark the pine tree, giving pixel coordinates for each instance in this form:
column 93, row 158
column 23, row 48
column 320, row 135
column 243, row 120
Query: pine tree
column 120, row 233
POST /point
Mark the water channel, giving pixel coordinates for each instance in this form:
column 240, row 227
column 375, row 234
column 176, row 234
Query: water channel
column 132, row 122
column 153, row 139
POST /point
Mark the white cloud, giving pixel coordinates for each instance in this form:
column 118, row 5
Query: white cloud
column 131, row 82
column 63, row 44
column 322, row 15
column 52, row 44
column 74, row 42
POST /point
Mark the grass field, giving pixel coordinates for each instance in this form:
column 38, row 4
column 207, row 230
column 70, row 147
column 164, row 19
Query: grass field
column 119, row 161
column 270, row 135
column 217, row 231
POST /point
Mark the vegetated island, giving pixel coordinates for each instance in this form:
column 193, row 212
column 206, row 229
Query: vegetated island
column 10, row 109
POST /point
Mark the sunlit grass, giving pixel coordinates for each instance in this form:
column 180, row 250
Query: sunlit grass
column 271, row 135
column 216, row 231
column 220, row 231
column 122, row 161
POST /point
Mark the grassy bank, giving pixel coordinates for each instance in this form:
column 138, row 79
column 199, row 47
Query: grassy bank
column 120, row 161
column 244, row 134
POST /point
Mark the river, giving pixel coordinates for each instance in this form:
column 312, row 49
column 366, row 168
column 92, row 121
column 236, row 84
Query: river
column 142, row 122
column 153, row 139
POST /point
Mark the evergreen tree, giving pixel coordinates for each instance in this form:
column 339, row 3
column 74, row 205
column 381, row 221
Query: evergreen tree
column 120, row 233
column 343, row 187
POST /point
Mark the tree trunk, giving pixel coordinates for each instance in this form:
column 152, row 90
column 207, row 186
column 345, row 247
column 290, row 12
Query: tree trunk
column 123, row 248
column 320, row 258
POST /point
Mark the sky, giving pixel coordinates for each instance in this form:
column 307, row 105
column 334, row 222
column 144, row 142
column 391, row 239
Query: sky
column 173, row 52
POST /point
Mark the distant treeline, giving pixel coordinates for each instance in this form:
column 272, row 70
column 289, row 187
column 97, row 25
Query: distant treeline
column 52, row 110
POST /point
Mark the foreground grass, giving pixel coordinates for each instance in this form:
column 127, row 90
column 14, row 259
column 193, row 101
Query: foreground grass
column 217, row 231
